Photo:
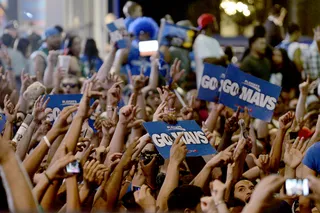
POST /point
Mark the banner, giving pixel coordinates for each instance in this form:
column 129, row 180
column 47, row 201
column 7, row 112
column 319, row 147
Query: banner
column 177, row 36
column 244, row 90
column 3, row 120
column 119, row 33
column 211, row 82
column 163, row 135
column 58, row 102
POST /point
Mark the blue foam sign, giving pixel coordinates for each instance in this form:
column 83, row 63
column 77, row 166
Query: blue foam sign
column 211, row 82
column 244, row 90
column 164, row 134
column 3, row 120
column 119, row 33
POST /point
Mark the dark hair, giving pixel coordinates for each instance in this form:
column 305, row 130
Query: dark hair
column 292, row 28
column 7, row 40
column 90, row 49
column 234, row 202
column 185, row 196
column 253, row 39
column 23, row 45
column 130, row 7
column 129, row 202
column 276, row 10
column 68, row 44
column 59, row 28
column 259, row 30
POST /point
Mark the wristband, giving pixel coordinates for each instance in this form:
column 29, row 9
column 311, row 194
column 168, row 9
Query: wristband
column 219, row 202
column 50, row 181
column 109, row 108
column 46, row 141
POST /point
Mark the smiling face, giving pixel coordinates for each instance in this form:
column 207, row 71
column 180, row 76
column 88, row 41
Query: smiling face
column 243, row 190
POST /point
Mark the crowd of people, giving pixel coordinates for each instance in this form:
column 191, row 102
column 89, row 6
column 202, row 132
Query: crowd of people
column 67, row 166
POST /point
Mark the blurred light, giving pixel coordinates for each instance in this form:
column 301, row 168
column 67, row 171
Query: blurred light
column 246, row 12
column 250, row 1
column 234, row 59
column 29, row 15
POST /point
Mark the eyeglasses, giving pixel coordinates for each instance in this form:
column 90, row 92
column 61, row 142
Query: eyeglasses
column 70, row 85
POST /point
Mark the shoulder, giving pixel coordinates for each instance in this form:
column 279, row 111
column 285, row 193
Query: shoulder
column 311, row 158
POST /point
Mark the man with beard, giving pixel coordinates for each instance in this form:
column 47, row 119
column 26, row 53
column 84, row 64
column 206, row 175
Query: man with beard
column 256, row 62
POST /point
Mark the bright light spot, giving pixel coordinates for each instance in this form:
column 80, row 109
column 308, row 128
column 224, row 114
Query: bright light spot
column 246, row 13
column 29, row 15
column 234, row 60
column 223, row 5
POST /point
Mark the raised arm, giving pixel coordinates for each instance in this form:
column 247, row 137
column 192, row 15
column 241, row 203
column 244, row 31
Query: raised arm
column 49, row 73
column 11, row 114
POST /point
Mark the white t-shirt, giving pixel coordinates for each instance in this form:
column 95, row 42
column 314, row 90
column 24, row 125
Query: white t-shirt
column 205, row 47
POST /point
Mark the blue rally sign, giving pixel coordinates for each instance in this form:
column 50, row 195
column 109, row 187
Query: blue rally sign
column 119, row 33
column 3, row 120
column 163, row 135
column 244, row 90
column 58, row 102
column 211, row 82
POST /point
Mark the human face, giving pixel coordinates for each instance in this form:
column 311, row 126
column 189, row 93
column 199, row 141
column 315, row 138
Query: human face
column 54, row 42
column 259, row 46
column 277, row 57
column 70, row 85
column 76, row 46
column 153, row 100
column 243, row 190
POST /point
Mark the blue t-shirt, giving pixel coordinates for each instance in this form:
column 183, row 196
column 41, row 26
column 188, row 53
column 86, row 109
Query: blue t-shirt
column 93, row 64
column 128, row 21
column 312, row 159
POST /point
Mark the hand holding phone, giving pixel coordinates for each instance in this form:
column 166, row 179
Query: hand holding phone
column 74, row 167
column 297, row 187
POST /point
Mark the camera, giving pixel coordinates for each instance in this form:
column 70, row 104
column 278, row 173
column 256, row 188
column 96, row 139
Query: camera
column 296, row 187
column 73, row 167
column 147, row 157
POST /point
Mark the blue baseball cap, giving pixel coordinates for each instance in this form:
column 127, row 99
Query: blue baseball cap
column 52, row 31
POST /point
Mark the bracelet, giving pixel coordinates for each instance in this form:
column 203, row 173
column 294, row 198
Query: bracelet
column 50, row 181
column 109, row 108
column 219, row 202
column 46, row 141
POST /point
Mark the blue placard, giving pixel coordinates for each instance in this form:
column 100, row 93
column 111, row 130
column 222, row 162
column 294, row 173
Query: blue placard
column 211, row 82
column 163, row 136
column 177, row 36
column 244, row 90
column 3, row 120
column 58, row 102
column 119, row 33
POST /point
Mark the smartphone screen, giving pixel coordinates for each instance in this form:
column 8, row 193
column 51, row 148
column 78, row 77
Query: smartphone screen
column 297, row 187
column 73, row 167
column 148, row 48
column 136, row 188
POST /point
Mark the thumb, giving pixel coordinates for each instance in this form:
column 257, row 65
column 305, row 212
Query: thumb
column 255, row 159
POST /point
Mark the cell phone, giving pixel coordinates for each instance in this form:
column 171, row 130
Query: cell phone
column 136, row 188
column 148, row 48
column 293, row 135
column 296, row 187
column 74, row 167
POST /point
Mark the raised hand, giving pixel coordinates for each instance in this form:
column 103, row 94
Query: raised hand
column 53, row 57
column 10, row 110
column 61, row 125
column 127, row 114
column 139, row 81
column 159, row 113
column 175, row 72
column 144, row 199
column 294, row 154
column 187, row 111
column 93, row 173
column 126, row 160
column 114, row 94
column 39, row 110
column 84, row 109
column 286, row 120
column 263, row 162
column 222, row 157
column 178, row 150
column 57, row 170
column 232, row 123
column 306, row 86
column 25, row 81
column 217, row 189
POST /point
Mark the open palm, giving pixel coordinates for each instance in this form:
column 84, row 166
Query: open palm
column 294, row 154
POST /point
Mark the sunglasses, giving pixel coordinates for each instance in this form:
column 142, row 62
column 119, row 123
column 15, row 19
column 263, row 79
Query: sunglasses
column 70, row 85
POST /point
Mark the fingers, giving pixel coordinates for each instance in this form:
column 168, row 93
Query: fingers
column 296, row 142
column 304, row 147
column 178, row 139
column 300, row 144
column 237, row 112
column 231, row 147
column 115, row 114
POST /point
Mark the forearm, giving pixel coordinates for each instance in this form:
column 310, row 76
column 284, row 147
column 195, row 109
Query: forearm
column 212, row 120
column 252, row 208
column 117, row 141
column 22, row 104
column 49, row 75
column 225, row 141
column 54, row 147
column 276, row 151
column 8, row 131
column 106, row 66
column 113, row 187
column 300, row 109
column 170, row 183
column 73, row 200
column 33, row 161
column 239, row 165
column 315, row 138
column 23, row 145
column 105, row 140
column 252, row 173
column 17, row 185
column 153, row 80
column 262, row 129
column 222, row 208
column 202, row 178
column 49, row 197
column 40, row 189
column 141, row 104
